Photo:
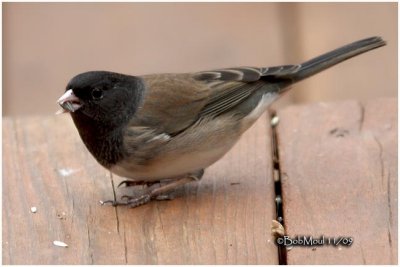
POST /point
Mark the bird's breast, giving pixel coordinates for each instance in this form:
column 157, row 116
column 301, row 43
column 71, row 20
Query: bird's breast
column 198, row 147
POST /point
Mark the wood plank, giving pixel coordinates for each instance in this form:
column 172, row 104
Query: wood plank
column 339, row 178
column 213, row 222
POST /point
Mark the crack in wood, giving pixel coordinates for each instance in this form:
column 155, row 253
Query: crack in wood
column 115, row 199
column 381, row 161
column 89, row 245
column 382, row 164
column 282, row 252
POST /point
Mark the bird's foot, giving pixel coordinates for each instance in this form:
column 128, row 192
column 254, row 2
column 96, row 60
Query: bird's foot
column 159, row 193
column 135, row 201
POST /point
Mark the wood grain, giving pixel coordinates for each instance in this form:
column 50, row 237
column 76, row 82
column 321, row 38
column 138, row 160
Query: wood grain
column 339, row 178
column 213, row 222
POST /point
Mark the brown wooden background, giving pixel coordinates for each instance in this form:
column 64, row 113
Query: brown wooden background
column 338, row 170
column 46, row 44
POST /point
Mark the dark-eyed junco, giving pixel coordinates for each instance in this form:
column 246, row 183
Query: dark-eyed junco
column 169, row 127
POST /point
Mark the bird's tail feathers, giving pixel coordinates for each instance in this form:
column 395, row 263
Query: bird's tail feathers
column 336, row 56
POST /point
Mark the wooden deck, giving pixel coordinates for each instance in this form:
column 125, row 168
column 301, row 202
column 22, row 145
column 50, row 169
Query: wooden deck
column 338, row 170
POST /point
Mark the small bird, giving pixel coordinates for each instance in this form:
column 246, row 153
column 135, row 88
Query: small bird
column 169, row 127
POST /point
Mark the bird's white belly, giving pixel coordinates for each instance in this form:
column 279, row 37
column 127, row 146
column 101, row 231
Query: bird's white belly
column 171, row 166
column 200, row 146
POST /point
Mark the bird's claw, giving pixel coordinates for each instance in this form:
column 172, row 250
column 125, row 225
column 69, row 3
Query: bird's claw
column 129, row 183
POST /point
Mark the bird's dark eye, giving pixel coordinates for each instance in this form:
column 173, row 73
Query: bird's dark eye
column 97, row 93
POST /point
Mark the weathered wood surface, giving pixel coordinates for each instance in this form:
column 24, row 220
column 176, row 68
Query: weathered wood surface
column 224, row 219
column 339, row 178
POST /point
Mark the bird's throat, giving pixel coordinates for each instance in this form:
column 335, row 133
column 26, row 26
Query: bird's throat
column 104, row 143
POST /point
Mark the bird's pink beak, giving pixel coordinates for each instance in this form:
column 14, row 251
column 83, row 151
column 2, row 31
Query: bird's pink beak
column 69, row 102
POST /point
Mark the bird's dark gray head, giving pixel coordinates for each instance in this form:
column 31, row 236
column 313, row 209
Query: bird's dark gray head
column 101, row 96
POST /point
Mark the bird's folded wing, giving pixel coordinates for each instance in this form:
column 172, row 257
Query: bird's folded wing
column 174, row 102
column 230, row 87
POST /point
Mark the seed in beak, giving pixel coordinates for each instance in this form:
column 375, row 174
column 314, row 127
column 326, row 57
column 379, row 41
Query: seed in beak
column 69, row 102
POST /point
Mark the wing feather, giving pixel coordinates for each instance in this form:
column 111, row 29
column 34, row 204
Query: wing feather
column 174, row 102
